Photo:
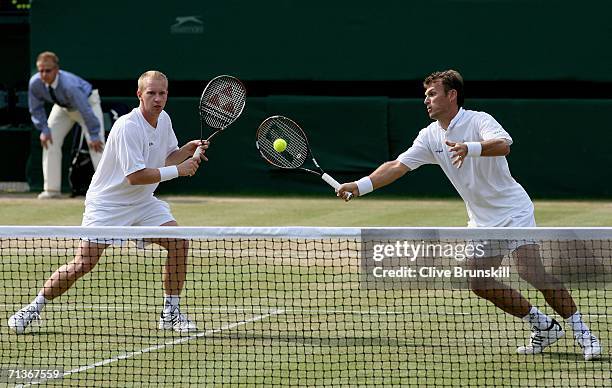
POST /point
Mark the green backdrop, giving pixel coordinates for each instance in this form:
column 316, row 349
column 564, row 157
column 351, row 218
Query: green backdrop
column 328, row 40
column 560, row 146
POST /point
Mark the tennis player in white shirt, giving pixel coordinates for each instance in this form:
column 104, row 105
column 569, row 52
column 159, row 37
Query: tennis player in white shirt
column 141, row 151
column 470, row 147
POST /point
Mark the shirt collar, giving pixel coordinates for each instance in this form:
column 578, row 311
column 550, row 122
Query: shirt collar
column 456, row 119
column 144, row 120
column 55, row 81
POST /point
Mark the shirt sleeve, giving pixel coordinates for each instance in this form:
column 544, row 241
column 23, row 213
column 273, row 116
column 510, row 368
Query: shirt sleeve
column 489, row 129
column 36, row 105
column 418, row 154
column 81, row 103
column 130, row 152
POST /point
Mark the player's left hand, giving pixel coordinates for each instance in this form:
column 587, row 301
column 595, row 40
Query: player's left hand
column 459, row 152
column 194, row 144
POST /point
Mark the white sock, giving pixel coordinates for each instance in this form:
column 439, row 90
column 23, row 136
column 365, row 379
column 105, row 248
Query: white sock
column 577, row 324
column 171, row 302
column 537, row 319
column 39, row 302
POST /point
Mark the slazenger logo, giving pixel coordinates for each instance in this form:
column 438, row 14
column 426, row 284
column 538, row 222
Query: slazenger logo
column 187, row 25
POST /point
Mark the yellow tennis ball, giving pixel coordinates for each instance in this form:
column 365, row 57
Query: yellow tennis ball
column 280, row 145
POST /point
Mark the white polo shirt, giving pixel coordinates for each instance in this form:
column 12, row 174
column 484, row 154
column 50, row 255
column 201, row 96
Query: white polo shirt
column 133, row 144
column 490, row 193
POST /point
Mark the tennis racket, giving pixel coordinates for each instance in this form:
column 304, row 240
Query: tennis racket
column 221, row 104
column 297, row 151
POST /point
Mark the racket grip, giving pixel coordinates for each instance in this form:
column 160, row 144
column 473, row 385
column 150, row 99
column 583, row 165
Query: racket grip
column 197, row 153
column 334, row 183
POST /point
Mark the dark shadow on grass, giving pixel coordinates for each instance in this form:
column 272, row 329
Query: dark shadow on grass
column 573, row 356
column 316, row 340
column 556, row 357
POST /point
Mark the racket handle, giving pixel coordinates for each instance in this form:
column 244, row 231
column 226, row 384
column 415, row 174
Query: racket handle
column 197, row 153
column 334, row 183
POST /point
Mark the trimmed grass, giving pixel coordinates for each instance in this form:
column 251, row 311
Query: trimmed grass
column 263, row 211
column 266, row 321
column 314, row 325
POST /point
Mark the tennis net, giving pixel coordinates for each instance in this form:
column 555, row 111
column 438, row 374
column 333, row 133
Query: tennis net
column 298, row 306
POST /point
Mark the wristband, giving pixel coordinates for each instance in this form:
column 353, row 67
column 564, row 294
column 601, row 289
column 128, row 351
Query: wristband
column 364, row 185
column 167, row 173
column 474, row 148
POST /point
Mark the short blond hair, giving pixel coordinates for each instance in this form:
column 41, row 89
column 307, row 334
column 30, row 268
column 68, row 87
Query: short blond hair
column 151, row 74
column 48, row 56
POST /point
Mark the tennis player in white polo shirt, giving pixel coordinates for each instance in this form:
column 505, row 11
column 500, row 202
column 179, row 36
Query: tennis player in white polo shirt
column 141, row 151
column 470, row 147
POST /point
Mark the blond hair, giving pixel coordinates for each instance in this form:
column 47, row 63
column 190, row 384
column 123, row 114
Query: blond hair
column 48, row 56
column 151, row 74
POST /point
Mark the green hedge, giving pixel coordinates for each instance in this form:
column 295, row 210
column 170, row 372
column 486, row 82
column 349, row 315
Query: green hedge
column 560, row 146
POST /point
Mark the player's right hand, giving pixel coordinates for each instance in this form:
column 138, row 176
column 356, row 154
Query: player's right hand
column 44, row 139
column 347, row 188
column 188, row 167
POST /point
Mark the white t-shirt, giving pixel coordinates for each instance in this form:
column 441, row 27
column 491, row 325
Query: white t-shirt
column 490, row 193
column 133, row 144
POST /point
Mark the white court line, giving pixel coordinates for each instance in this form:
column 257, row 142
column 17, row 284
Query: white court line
column 158, row 347
column 255, row 310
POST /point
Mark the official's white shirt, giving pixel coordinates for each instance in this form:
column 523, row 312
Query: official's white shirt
column 490, row 193
column 133, row 144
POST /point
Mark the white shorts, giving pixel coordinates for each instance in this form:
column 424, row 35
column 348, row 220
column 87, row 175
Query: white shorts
column 153, row 212
column 492, row 248
column 524, row 219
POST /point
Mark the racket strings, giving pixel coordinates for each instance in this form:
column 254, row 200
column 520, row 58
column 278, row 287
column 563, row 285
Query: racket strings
column 222, row 101
column 216, row 117
column 297, row 149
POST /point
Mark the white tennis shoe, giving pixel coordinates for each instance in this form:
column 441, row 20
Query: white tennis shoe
column 540, row 339
column 27, row 316
column 591, row 348
column 174, row 320
column 49, row 195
